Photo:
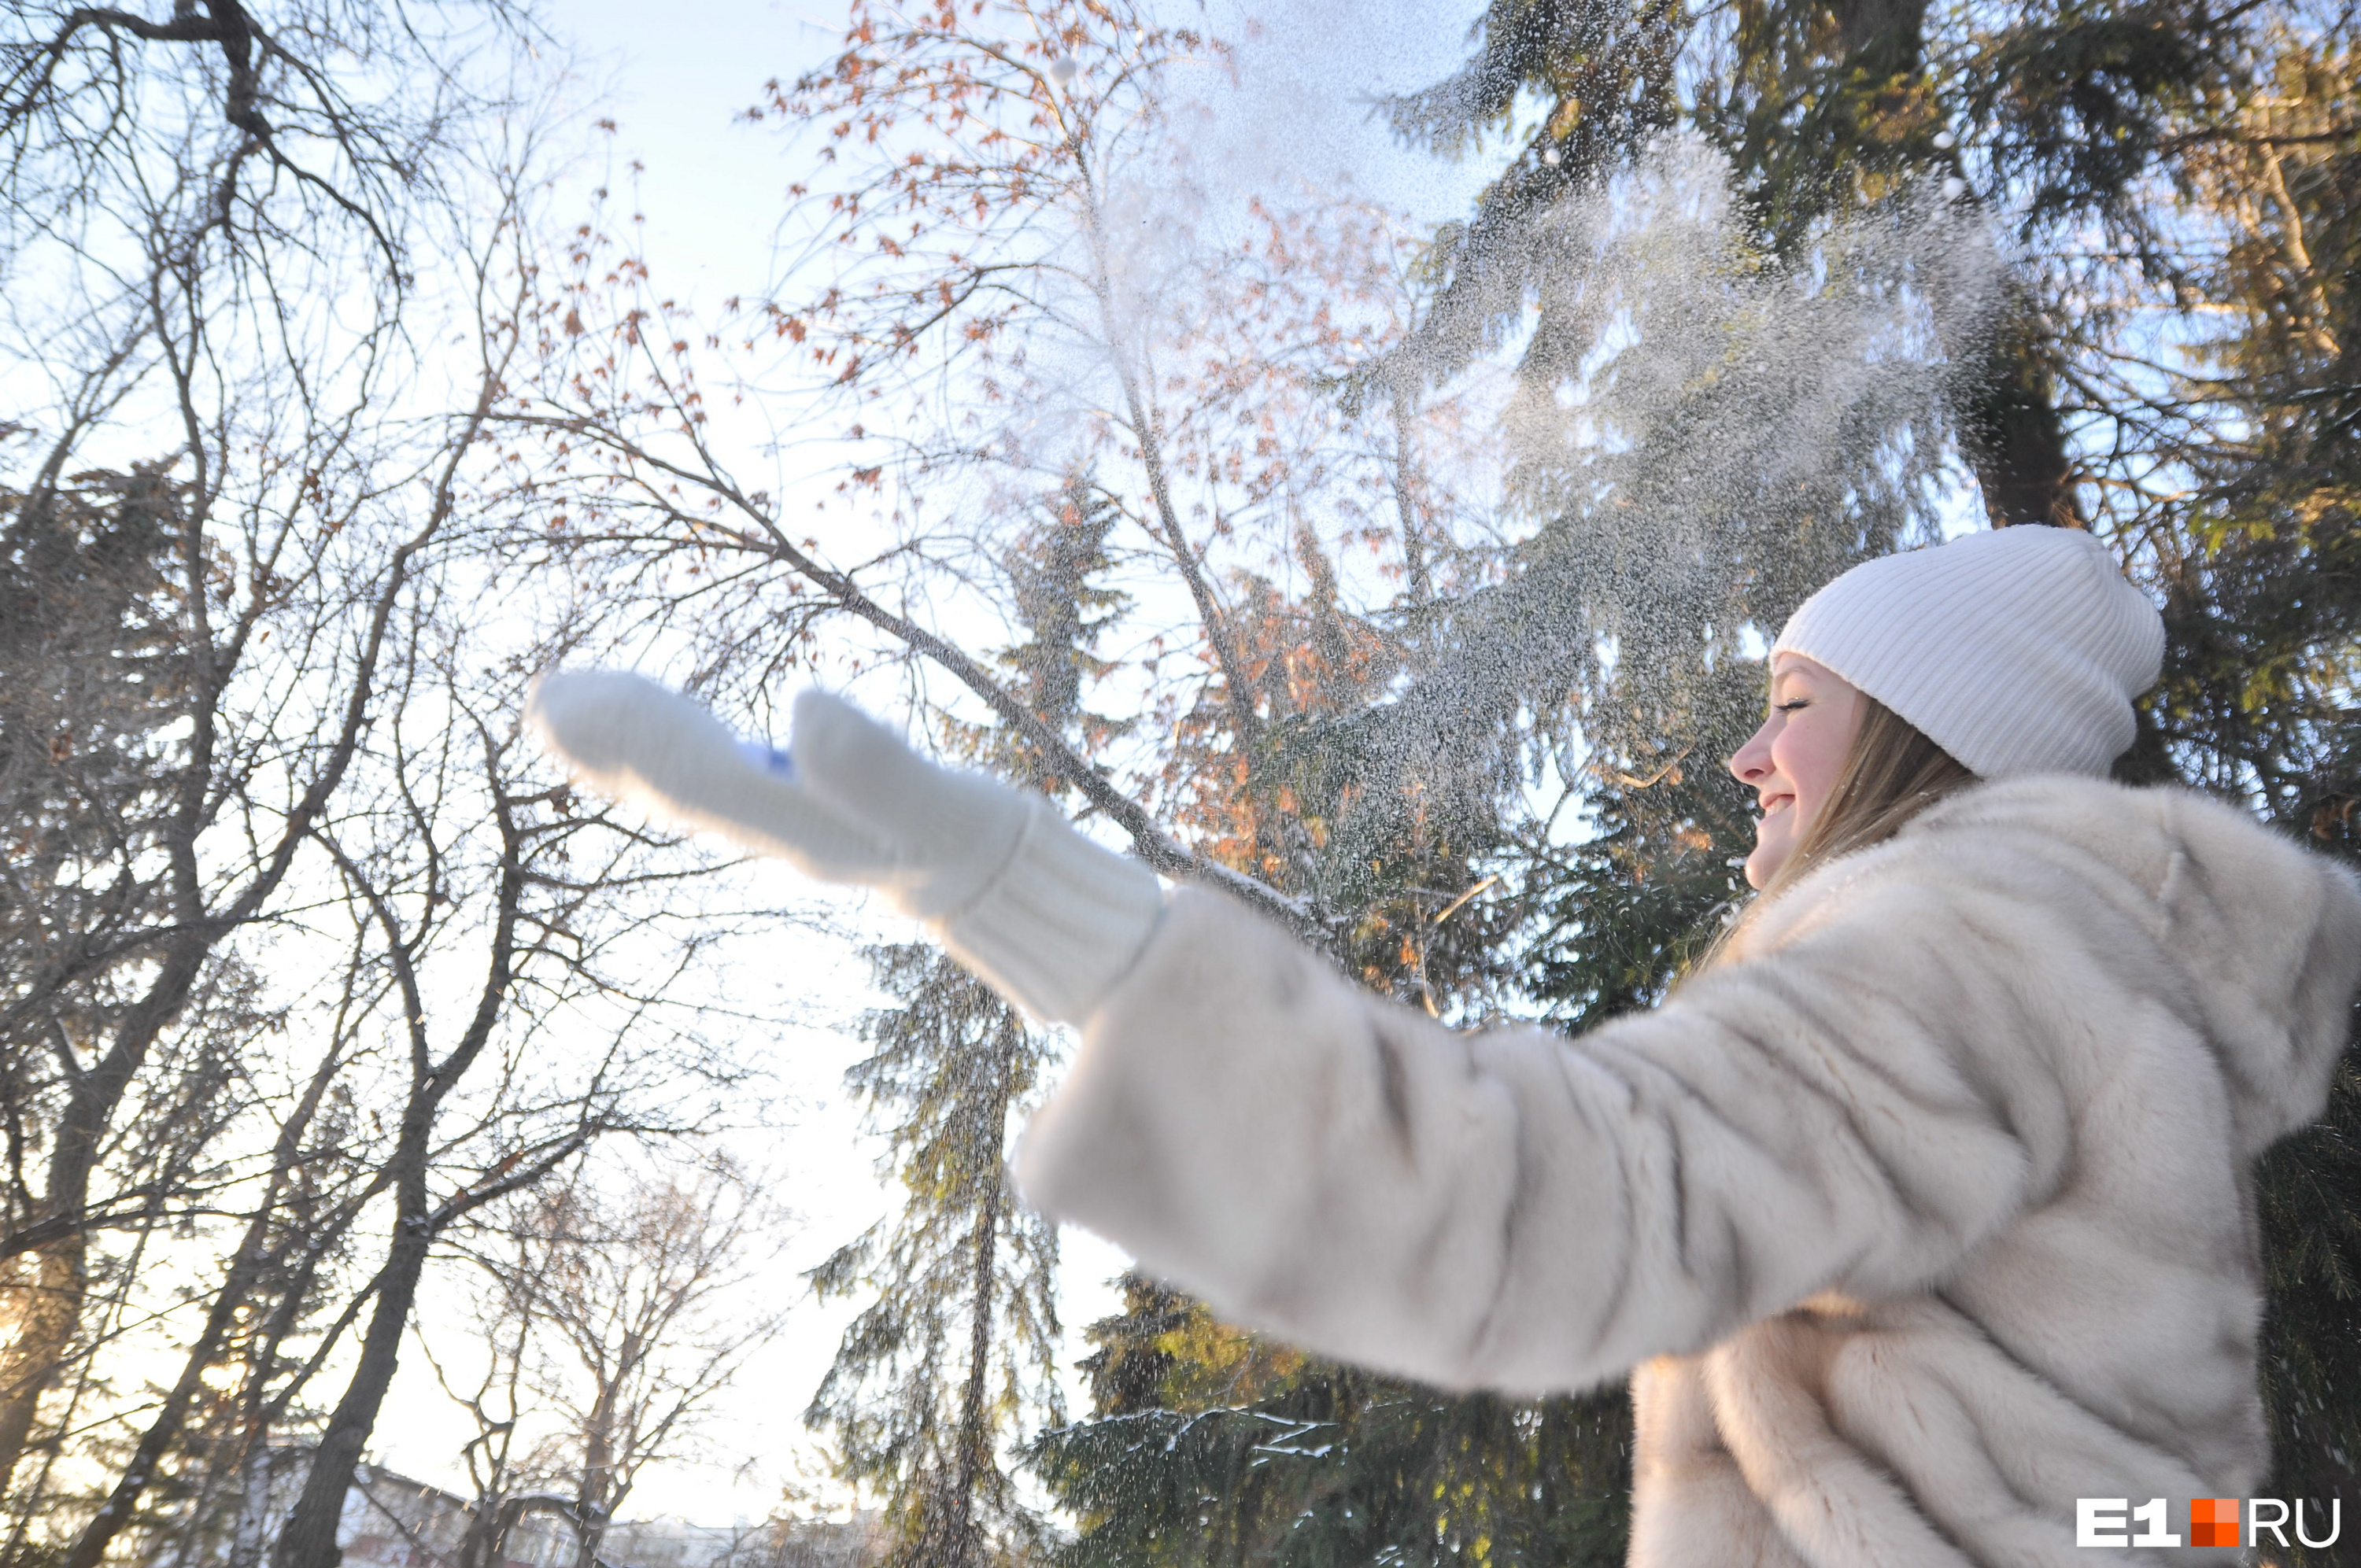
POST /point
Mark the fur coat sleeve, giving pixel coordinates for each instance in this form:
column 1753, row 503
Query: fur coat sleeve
column 1895, row 1063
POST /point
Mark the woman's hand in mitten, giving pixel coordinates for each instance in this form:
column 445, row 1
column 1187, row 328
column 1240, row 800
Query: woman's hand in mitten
column 848, row 802
column 1050, row 917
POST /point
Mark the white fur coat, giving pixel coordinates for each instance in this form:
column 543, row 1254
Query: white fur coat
column 1923, row 1214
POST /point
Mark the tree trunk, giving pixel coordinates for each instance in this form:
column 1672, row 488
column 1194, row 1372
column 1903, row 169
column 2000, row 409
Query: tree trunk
column 1413, row 534
column 309, row 1540
column 45, row 1311
column 956, row 1545
column 52, row 1311
column 2011, row 431
column 594, row 1498
column 1886, row 37
column 2009, row 417
column 246, row 1266
column 91, row 1546
column 479, row 1548
column 247, row 1545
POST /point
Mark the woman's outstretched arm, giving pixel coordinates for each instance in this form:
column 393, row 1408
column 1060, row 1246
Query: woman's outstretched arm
column 1506, row 1209
column 1517, row 1211
column 1900, row 1064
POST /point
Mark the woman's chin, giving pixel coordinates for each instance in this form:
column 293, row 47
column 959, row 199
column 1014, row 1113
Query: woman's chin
column 1764, row 862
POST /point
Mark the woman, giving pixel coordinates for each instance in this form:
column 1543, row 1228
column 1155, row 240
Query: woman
column 1921, row 1213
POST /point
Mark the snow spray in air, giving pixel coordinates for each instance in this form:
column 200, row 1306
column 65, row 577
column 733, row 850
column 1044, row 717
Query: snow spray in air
column 1699, row 435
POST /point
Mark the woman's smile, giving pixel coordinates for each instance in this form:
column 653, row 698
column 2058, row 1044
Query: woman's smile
column 1792, row 762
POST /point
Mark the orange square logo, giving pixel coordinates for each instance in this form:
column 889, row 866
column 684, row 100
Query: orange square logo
column 2213, row 1521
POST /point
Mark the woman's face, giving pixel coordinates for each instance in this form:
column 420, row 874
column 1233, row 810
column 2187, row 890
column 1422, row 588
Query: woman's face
column 1793, row 761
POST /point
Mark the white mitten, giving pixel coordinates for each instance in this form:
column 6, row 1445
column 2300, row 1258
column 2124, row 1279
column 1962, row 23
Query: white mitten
column 1049, row 918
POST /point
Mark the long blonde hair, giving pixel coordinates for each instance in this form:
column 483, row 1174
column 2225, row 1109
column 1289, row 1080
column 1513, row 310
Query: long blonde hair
column 1892, row 773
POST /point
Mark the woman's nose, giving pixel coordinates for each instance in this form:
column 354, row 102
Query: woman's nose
column 1752, row 761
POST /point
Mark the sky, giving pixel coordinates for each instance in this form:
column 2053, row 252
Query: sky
column 710, row 187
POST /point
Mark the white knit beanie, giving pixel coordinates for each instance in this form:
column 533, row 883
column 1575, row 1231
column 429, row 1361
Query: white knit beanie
column 2017, row 650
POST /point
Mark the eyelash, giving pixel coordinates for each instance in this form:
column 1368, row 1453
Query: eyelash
column 1792, row 705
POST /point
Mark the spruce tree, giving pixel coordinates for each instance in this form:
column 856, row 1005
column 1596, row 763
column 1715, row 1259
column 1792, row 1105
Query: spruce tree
column 955, row 1353
column 956, row 1348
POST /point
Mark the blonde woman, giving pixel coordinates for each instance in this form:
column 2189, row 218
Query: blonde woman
column 1918, row 1217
